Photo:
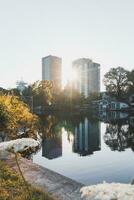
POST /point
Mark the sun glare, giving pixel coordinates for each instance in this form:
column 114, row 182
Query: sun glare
column 68, row 76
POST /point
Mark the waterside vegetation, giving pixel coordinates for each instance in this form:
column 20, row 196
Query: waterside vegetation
column 12, row 186
column 15, row 115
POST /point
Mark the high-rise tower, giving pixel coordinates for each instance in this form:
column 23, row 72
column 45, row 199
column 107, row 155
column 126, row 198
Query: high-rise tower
column 87, row 76
column 51, row 69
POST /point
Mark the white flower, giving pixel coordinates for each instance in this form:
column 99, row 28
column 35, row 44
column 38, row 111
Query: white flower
column 19, row 145
column 108, row 191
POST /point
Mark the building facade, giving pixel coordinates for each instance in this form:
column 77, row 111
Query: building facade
column 87, row 75
column 51, row 69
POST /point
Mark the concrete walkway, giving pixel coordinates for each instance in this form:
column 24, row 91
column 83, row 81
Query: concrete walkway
column 57, row 185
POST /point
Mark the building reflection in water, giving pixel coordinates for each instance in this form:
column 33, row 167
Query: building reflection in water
column 52, row 139
column 87, row 138
column 52, row 147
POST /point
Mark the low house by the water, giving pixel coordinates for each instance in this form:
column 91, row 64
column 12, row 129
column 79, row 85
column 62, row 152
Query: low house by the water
column 108, row 104
column 115, row 105
column 112, row 105
column 112, row 116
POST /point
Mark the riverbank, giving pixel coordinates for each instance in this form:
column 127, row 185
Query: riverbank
column 58, row 186
column 12, row 186
column 43, row 181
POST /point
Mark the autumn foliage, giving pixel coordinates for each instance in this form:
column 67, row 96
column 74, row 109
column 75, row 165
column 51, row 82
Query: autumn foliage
column 15, row 115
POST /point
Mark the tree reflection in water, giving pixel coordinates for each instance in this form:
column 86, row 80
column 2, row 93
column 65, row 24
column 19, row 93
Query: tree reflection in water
column 52, row 136
column 119, row 136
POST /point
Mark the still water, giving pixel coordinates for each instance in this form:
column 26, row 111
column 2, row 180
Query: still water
column 89, row 150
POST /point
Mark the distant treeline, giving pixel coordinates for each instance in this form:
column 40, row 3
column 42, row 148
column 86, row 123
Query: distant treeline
column 119, row 84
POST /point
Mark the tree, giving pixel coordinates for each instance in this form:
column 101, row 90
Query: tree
column 93, row 97
column 130, row 76
column 14, row 114
column 3, row 91
column 41, row 91
column 116, row 81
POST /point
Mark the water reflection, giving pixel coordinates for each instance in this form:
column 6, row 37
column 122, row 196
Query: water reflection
column 84, row 133
column 52, row 147
column 86, row 137
column 113, row 116
column 89, row 149
column 120, row 134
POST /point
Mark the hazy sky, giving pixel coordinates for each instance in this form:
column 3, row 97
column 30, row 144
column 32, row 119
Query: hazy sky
column 30, row 29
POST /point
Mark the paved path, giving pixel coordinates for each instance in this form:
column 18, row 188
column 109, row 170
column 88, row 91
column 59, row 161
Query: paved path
column 59, row 186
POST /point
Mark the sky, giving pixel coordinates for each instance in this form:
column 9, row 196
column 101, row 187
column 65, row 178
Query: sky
column 102, row 30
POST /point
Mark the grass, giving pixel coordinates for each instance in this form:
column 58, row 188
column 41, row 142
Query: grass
column 12, row 186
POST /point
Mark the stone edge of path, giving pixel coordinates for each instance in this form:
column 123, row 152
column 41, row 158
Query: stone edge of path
column 57, row 185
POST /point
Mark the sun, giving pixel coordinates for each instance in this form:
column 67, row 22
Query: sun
column 68, row 75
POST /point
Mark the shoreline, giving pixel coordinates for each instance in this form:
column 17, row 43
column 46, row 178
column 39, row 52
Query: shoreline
column 55, row 184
